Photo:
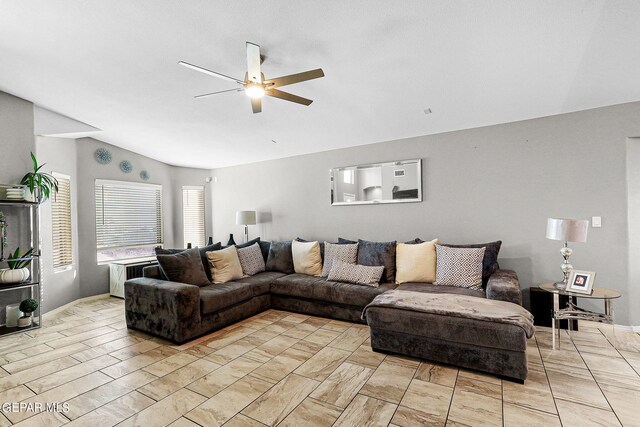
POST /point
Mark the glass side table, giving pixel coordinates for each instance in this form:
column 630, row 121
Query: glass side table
column 572, row 311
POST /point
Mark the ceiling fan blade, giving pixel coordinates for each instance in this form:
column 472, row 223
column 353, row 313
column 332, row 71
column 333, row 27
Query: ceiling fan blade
column 253, row 63
column 256, row 105
column 295, row 78
column 204, row 95
column 288, row 96
column 209, row 72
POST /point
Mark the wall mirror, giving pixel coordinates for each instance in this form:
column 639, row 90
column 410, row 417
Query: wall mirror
column 390, row 182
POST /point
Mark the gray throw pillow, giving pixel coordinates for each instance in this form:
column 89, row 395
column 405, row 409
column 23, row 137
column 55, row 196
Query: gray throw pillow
column 264, row 248
column 347, row 253
column 353, row 273
column 379, row 253
column 490, row 260
column 184, row 267
column 460, row 267
column 251, row 259
column 280, row 257
column 203, row 255
column 249, row 243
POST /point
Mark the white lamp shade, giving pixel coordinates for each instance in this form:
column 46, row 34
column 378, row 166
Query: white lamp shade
column 246, row 217
column 568, row 230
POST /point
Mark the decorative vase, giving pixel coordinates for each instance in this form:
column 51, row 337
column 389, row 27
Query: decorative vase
column 24, row 321
column 231, row 242
column 29, row 196
column 210, row 242
column 18, row 275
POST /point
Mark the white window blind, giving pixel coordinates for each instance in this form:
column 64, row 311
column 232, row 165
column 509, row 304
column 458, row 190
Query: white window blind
column 61, row 223
column 193, row 215
column 128, row 215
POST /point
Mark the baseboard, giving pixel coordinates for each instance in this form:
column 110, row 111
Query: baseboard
column 72, row 303
column 628, row 328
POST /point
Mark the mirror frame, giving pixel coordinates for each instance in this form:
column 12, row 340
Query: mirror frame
column 333, row 171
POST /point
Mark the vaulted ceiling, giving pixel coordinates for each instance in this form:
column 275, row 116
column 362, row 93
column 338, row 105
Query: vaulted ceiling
column 113, row 65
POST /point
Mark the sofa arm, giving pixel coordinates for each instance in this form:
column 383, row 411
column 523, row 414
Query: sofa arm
column 168, row 309
column 503, row 285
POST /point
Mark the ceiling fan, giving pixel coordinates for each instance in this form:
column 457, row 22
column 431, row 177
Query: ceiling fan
column 254, row 84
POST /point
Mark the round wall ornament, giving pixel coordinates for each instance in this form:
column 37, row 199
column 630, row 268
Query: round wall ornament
column 126, row 166
column 144, row 175
column 103, row 156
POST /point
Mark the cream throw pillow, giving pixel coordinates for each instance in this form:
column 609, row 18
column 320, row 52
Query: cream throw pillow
column 306, row 258
column 225, row 265
column 416, row 262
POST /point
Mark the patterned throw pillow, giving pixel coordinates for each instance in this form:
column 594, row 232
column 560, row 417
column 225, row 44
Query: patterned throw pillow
column 251, row 259
column 354, row 273
column 347, row 253
column 461, row 267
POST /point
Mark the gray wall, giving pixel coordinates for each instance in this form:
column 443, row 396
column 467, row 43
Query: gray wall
column 63, row 286
column 496, row 182
column 16, row 144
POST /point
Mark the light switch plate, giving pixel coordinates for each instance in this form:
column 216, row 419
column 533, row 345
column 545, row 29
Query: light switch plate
column 596, row 221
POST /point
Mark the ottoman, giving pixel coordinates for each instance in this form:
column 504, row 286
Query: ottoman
column 464, row 331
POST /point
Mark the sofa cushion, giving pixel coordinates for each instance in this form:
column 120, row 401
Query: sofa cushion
column 203, row 255
column 306, row 258
column 307, row 287
column 251, row 259
column 261, row 282
column 459, row 267
column 490, row 260
column 184, row 267
column 379, row 253
column 225, row 265
column 219, row 296
column 355, row 273
column 280, row 257
column 439, row 289
column 416, row 262
column 338, row 252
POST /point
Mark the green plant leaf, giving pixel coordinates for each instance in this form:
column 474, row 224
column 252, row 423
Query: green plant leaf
column 35, row 162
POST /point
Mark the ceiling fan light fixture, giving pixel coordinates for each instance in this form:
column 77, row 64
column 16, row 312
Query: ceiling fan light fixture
column 254, row 91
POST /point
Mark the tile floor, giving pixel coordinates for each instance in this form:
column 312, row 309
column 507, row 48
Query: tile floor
column 286, row 369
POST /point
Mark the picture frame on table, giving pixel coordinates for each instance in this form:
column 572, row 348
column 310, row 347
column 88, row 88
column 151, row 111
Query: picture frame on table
column 581, row 282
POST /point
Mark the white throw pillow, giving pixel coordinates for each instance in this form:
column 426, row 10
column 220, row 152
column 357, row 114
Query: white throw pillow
column 251, row 260
column 306, row 258
column 416, row 262
column 225, row 265
column 338, row 252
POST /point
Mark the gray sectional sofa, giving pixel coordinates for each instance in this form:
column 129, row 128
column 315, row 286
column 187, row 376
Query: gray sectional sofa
column 180, row 312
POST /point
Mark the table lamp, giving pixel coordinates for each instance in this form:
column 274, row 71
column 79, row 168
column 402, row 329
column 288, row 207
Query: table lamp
column 246, row 218
column 569, row 230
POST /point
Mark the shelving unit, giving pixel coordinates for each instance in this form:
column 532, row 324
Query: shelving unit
column 33, row 285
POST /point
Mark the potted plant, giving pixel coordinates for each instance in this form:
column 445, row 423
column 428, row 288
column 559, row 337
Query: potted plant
column 27, row 307
column 17, row 271
column 44, row 182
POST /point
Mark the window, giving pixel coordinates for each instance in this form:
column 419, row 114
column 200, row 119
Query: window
column 128, row 219
column 61, row 223
column 193, row 215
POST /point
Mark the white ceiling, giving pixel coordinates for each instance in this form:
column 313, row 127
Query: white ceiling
column 113, row 65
